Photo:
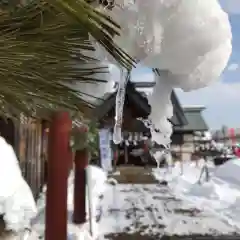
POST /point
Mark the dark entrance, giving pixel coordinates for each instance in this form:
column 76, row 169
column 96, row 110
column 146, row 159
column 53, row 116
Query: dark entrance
column 7, row 130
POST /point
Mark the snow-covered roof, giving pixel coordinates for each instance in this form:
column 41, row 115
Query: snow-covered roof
column 194, row 107
column 195, row 120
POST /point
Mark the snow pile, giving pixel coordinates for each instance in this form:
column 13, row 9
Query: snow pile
column 220, row 195
column 189, row 42
column 16, row 199
column 181, row 171
column 184, row 177
column 229, row 172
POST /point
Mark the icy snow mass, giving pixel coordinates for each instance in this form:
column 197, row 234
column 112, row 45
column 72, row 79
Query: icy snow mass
column 16, row 199
column 188, row 41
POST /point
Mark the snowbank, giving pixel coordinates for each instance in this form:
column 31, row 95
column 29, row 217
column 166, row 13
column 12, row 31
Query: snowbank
column 16, row 199
column 229, row 172
column 220, row 195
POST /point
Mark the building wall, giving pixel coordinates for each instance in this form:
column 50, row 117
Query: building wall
column 26, row 138
column 224, row 135
column 227, row 140
column 185, row 150
column 188, row 146
column 31, row 152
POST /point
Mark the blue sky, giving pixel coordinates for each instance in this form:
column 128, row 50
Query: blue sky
column 222, row 99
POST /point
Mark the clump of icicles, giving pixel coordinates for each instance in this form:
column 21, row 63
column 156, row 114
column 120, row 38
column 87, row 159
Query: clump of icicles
column 120, row 99
column 162, row 110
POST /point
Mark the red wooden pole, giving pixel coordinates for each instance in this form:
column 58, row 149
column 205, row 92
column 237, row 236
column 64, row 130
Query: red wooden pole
column 81, row 162
column 232, row 136
column 58, row 169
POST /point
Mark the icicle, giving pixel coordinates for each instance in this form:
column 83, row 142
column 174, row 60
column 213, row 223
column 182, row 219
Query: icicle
column 120, row 98
column 161, row 112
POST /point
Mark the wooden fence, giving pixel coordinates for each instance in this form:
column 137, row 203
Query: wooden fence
column 32, row 152
column 29, row 140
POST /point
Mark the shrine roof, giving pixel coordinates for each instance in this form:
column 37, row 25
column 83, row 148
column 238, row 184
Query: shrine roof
column 140, row 101
column 135, row 99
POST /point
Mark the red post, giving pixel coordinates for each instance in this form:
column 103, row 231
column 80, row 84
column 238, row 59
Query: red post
column 58, row 169
column 232, row 135
column 81, row 162
column 145, row 147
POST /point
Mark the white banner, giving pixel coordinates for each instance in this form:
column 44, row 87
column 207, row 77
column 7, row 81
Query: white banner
column 105, row 149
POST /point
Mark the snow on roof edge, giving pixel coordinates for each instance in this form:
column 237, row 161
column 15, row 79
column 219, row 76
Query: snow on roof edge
column 194, row 107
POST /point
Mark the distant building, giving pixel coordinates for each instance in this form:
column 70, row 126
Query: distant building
column 183, row 137
column 227, row 135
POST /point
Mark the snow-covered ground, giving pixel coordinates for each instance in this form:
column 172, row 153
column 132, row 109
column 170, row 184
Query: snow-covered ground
column 152, row 210
column 220, row 196
column 98, row 183
column 183, row 207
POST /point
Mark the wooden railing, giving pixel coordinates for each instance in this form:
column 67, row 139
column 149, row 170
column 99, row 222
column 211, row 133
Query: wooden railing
column 32, row 149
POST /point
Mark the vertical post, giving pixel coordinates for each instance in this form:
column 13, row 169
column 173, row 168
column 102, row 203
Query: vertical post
column 81, row 162
column 125, row 153
column 115, row 157
column 58, row 165
column 71, row 159
column 146, row 154
column 181, row 160
column 90, row 201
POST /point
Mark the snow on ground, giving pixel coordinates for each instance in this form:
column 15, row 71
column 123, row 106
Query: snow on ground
column 152, row 210
column 183, row 207
column 98, row 181
column 156, row 210
column 220, row 196
column 15, row 217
